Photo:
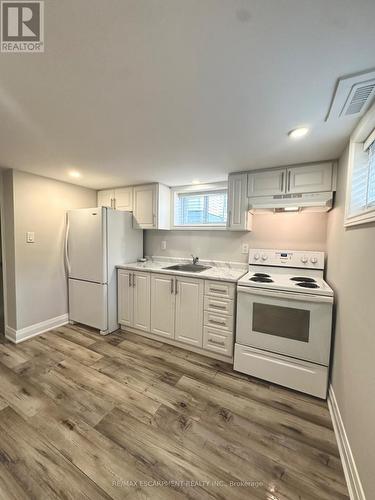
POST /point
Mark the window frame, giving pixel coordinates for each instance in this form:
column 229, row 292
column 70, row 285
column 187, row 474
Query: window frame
column 362, row 137
column 197, row 188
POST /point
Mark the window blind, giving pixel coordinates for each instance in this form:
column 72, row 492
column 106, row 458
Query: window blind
column 371, row 178
column 200, row 208
column 362, row 193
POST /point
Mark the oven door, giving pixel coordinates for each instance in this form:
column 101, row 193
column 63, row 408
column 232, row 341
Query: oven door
column 294, row 324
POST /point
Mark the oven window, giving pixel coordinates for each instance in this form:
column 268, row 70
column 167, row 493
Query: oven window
column 284, row 322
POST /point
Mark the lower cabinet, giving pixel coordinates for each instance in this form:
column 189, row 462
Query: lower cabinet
column 177, row 308
column 125, row 297
column 134, row 299
column 141, row 301
column 183, row 309
column 163, row 305
column 189, row 311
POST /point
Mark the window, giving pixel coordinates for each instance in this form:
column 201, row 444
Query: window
column 361, row 187
column 199, row 208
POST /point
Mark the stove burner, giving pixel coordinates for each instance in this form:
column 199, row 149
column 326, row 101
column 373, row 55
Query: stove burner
column 262, row 275
column 308, row 285
column 303, row 279
column 261, row 279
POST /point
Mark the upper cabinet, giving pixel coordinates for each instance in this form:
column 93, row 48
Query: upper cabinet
column 266, row 182
column 239, row 218
column 106, row 198
column 119, row 198
column 151, row 206
column 314, row 178
column 311, row 178
column 124, row 199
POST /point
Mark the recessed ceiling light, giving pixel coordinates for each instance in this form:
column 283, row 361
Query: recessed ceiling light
column 196, row 181
column 75, row 174
column 298, row 132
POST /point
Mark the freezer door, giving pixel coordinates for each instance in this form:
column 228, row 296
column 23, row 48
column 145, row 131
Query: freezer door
column 87, row 234
column 88, row 303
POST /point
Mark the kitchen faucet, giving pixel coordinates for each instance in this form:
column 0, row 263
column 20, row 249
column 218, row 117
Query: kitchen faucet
column 195, row 259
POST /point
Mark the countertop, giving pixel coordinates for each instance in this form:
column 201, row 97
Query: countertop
column 219, row 270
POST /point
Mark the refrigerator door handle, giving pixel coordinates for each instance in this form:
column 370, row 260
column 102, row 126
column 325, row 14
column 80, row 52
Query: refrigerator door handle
column 67, row 262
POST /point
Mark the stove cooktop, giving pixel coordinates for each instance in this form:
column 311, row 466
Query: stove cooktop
column 288, row 282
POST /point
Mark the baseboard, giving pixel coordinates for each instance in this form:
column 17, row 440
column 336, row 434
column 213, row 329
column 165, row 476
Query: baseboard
column 350, row 470
column 23, row 334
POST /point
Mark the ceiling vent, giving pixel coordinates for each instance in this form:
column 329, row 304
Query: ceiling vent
column 353, row 95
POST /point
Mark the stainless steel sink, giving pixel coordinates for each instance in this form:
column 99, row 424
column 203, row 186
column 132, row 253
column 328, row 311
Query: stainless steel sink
column 190, row 268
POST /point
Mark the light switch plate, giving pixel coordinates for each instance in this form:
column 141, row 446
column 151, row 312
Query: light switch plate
column 30, row 237
column 163, row 245
column 245, row 248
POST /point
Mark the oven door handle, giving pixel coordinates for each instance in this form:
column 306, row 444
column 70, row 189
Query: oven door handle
column 303, row 297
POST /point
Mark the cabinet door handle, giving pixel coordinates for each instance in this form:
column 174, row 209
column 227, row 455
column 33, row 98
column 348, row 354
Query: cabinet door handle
column 289, row 175
column 172, row 281
column 133, row 280
column 218, row 290
column 217, row 342
column 217, row 307
column 176, row 287
column 282, row 181
column 217, row 322
column 130, row 279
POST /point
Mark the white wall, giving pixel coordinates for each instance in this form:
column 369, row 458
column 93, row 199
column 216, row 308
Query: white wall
column 39, row 205
column 351, row 272
column 303, row 231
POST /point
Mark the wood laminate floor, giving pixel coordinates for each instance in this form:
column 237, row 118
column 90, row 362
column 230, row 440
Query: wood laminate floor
column 84, row 416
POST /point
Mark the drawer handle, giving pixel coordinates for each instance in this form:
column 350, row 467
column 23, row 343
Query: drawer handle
column 216, row 322
column 219, row 290
column 217, row 342
column 217, row 307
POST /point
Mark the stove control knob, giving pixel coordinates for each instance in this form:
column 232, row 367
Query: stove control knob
column 256, row 256
column 304, row 259
column 264, row 257
column 313, row 260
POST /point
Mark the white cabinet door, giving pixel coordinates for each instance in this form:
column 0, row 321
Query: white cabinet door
column 106, row 198
column 141, row 301
column 124, row 199
column 189, row 311
column 145, row 206
column 310, row 178
column 267, row 183
column 163, row 305
column 238, row 204
column 125, row 297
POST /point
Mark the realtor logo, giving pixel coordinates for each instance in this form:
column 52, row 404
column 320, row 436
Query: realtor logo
column 22, row 26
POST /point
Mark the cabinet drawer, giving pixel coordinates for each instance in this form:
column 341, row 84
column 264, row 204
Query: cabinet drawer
column 221, row 322
column 216, row 305
column 219, row 289
column 214, row 340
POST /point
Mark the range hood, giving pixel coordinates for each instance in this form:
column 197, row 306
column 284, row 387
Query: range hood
column 309, row 202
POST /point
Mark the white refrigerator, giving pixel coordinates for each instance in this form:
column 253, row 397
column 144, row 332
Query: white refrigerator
column 98, row 239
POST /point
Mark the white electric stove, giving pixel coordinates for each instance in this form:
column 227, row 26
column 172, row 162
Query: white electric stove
column 284, row 320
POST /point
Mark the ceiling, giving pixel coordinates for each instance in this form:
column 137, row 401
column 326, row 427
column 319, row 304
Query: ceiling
column 132, row 91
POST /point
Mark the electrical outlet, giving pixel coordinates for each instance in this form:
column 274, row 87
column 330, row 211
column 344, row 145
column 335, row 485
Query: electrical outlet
column 163, row 245
column 30, row 237
column 245, row 248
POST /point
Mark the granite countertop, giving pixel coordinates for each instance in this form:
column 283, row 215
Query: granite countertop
column 220, row 270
